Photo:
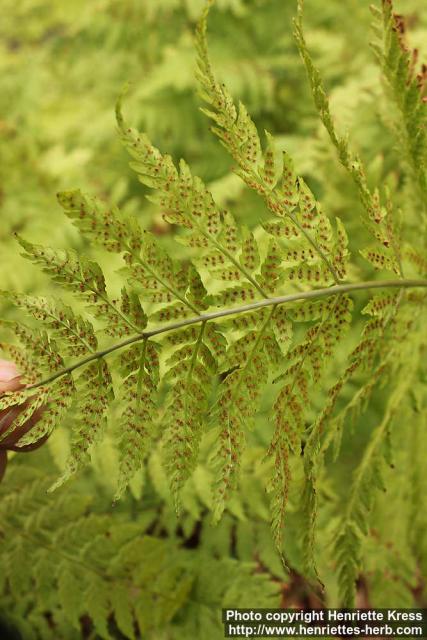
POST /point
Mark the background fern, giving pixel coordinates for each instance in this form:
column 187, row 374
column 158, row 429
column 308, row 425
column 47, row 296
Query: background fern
column 297, row 427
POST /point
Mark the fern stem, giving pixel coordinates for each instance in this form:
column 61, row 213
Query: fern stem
column 193, row 364
column 293, row 297
column 141, row 374
column 196, row 352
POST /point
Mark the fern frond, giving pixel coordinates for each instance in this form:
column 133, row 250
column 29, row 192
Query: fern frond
column 43, row 357
column 407, row 91
column 371, row 354
column 304, row 365
column 386, row 254
column 107, row 575
column 84, row 278
column 150, row 269
column 367, row 478
column 75, row 334
column 185, row 200
column 199, row 342
column 286, row 195
column 95, row 392
column 83, row 564
column 190, row 370
column 249, row 359
column 140, row 374
column 352, row 529
column 108, row 227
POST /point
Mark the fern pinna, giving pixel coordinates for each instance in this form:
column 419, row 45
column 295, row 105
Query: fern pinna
column 189, row 345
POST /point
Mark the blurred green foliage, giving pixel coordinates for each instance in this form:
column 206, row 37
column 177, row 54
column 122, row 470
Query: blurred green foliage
column 62, row 66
